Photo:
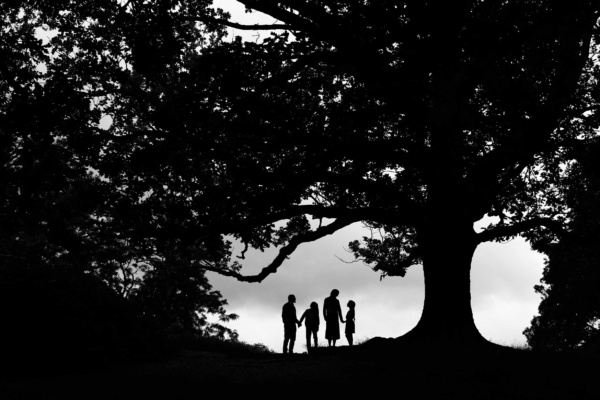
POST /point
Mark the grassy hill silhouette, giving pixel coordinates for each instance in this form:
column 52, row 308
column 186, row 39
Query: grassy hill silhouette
column 377, row 367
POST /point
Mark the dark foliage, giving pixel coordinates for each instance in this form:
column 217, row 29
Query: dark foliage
column 569, row 313
column 415, row 118
column 69, row 265
column 59, row 320
column 176, row 296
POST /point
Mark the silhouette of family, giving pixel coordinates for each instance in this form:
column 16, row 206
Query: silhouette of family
column 332, row 314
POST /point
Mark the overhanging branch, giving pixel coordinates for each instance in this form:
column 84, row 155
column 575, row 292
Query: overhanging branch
column 286, row 251
column 409, row 214
column 273, row 9
column 519, row 227
column 248, row 27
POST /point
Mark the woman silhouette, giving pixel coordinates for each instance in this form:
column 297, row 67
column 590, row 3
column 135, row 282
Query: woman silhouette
column 331, row 312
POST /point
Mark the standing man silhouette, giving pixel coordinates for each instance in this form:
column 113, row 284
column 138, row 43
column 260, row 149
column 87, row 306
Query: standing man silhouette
column 288, row 315
column 331, row 312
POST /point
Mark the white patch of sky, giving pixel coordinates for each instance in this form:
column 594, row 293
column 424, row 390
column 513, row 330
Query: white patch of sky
column 502, row 280
column 238, row 14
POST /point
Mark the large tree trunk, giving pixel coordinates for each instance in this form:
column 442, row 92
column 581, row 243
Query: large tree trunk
column 447, row 318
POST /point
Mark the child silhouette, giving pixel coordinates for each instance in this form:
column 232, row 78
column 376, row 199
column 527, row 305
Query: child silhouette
column 350, row 322
column 312, row 323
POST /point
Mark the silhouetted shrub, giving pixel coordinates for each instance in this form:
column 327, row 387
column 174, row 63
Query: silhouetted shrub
column 57, row 320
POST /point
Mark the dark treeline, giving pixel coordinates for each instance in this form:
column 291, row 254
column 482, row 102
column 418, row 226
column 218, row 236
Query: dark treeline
column 84, row 276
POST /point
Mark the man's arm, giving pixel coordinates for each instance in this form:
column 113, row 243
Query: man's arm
column 283, row 313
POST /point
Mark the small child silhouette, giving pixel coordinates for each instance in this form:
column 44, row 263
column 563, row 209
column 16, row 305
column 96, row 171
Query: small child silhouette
column 350, row 322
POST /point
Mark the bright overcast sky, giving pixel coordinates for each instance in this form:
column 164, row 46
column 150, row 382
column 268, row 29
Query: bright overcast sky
column 502, row 280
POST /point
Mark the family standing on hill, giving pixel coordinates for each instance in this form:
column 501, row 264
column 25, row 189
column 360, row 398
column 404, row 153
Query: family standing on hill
column 332, row 314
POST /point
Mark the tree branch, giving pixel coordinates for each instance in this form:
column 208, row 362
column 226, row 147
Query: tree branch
column 272, row 9
column 533, row 136
column 519, row 227
column 314, row 12
column 251, row 27
column 285, row 251
column 409, row 215
column 242, row 255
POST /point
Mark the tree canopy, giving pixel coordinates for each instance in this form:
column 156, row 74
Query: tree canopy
column 64, row 250
column 417, row 118
column 569, row 312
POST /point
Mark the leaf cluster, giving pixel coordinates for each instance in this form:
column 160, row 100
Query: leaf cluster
column 570, row 308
